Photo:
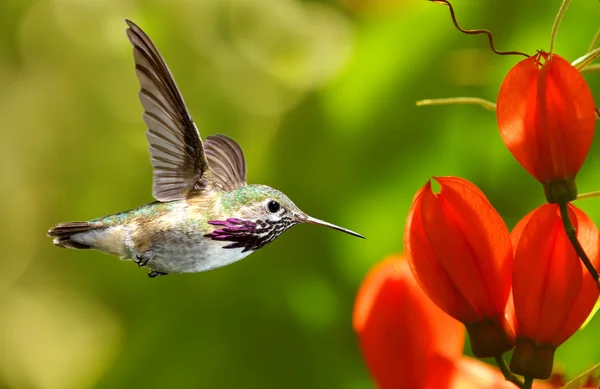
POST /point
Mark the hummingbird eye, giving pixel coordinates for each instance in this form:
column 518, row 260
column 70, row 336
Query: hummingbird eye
column 273, row 206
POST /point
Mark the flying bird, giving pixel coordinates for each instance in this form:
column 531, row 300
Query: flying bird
column 205, row 215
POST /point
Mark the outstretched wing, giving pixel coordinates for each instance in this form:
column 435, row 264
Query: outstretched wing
column 176, row 151
column 227, row 163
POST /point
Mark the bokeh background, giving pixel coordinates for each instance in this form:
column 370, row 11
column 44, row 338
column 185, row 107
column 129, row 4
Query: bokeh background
column 321, row 95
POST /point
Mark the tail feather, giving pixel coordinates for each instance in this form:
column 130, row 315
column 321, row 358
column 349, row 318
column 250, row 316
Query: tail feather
column 63, row 232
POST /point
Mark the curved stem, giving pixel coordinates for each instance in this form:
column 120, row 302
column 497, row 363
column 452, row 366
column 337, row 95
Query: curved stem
column 490, row 106
column 478, row 31
column 586, row 59
column 572, row 235
column 528, row 383
column 561, row 12
column 506, row 371
column 588, row 195
column 595, row 40
column 591, row 68
column 573, row 383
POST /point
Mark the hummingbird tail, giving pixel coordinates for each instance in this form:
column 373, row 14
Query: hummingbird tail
column 63, row 232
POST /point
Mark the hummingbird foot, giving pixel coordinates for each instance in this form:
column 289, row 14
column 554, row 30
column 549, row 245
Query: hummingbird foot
column 154, row 274
column 142, row 259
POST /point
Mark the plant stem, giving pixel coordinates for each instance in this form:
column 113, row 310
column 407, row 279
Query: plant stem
column 561, row 12
column 459, row 100
column 588, row 195
column 573, row 383
column 591, row 68
column 476, row 32
column 586, row 59
column 572, row 235
column 506, row 371
column 528, row 383
column 595, row 40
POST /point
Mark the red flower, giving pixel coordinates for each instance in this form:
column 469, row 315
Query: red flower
column 553, row 294
column 460, row 252
column 399, row 328
column 546, row 116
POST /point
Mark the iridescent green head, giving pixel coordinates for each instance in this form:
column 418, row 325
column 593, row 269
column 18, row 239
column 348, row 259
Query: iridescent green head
column 258, row 215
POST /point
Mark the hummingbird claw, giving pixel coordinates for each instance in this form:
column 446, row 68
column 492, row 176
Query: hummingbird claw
column 142, row 259
column 154, row 274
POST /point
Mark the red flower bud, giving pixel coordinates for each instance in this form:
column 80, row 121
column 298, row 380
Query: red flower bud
column 399, row 328
column 460, row 252
column 546, row 116
column 552, row 290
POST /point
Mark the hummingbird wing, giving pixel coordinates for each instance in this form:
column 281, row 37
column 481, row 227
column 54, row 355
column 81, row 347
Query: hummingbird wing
column 176, row 151
column 227, row 162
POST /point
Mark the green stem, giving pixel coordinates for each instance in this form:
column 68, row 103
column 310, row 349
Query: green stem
column 591, row 68
column 572, row 235
column 588, row 373
column 528, row 383
column 506, row 371
column 586, row 59
column 490, row 106
column 588, row 195
column 559, row 16
column 595, row 40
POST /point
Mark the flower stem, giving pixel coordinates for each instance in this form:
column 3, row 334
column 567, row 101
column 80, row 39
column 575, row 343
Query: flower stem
column 577, row 380
column 459, row 100
column 561, row 12
column 528, row 383
column 586, row 59
column 506, row 371
column 476, row 32
column 595, row 40
column 591, row 68
column 589, row 195
column 572, row 235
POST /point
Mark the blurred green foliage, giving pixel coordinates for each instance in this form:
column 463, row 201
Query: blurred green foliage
column 322, row 98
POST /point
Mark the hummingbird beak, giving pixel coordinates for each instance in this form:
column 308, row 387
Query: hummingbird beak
column 312, row 220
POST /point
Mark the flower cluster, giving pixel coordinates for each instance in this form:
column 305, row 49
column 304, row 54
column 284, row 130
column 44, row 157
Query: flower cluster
column 464, row 258
column 526, row 290
column 408, row 342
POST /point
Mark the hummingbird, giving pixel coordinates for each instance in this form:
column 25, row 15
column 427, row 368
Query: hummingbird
column 205, row 215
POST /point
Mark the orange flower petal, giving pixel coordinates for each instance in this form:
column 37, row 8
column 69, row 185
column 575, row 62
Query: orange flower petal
column 548, row 276
column 460, row 250
column 588, row 293
column 428, row 270
column 399, row 328
column 514, row 110
column 484, row 232
column 546, row 117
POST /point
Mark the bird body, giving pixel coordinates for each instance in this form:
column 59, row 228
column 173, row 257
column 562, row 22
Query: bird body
column 205, row 216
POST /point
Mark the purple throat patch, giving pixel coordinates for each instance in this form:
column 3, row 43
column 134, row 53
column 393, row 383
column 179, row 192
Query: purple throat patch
column 246, row 234
column 237, row 231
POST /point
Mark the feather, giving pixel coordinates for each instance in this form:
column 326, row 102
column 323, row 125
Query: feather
column 227, row 162
column 177, row 155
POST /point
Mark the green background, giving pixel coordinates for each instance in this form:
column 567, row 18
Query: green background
column 321, row 96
